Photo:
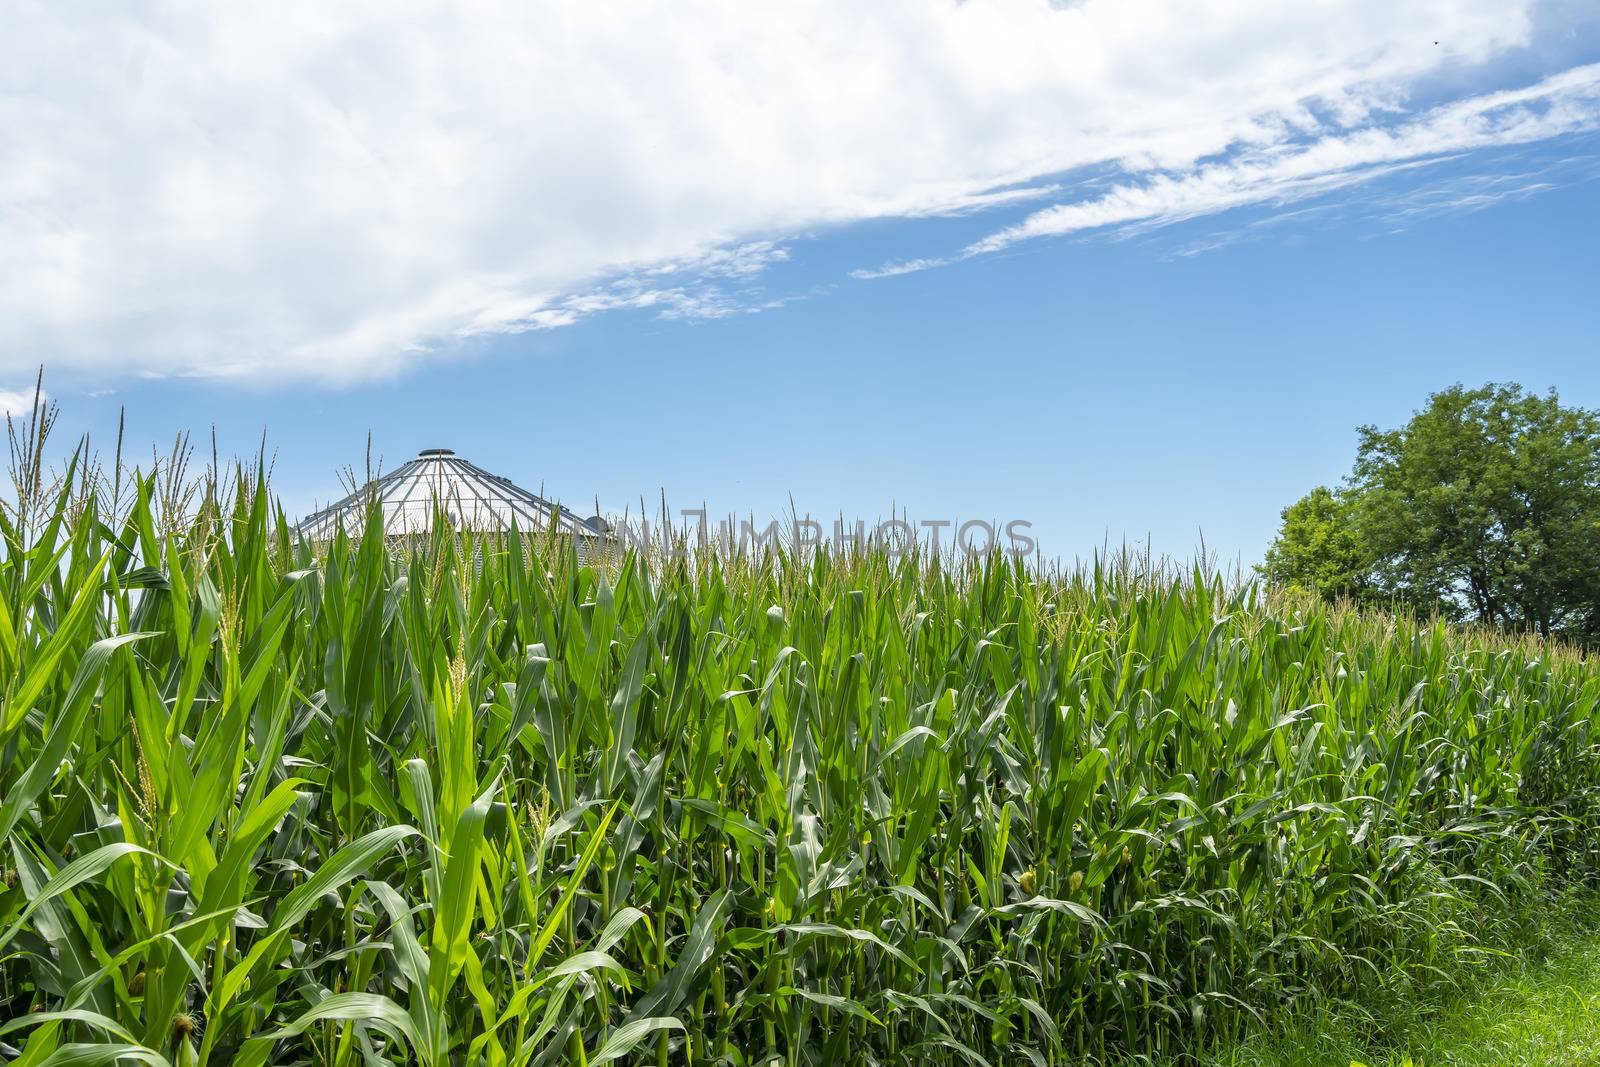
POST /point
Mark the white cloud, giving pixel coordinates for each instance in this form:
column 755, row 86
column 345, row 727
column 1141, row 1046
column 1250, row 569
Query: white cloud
column 737, row 261
column 17, row 403
column 1565, row 103
column 330, row 191
column 899, row 266
column 975, row 202
column 693, row 288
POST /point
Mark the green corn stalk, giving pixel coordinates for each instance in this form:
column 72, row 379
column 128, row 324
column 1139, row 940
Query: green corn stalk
column 471, row 800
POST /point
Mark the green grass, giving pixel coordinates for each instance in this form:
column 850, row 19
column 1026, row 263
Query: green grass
column 1537, row 1007
column 476, row 803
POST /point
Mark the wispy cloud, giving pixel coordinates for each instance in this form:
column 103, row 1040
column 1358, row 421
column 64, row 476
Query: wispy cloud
column 1394, row 210
column 737, row 261
column 1254, row 229
column 712, row 285
column 893, row 268
column 987, row 201
column 1467, row 193
column 1562, row 104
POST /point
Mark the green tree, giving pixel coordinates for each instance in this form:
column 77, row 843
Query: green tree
column 1486, row 505
column 1319, row 549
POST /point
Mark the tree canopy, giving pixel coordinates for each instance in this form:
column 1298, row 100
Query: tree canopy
column 1484, row 507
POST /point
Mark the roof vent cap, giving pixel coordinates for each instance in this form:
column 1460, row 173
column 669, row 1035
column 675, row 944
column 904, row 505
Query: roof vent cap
column 437, row 452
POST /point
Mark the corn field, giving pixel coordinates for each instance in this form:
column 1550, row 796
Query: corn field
column 476, row 803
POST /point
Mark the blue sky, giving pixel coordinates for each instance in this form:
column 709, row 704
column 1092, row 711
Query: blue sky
column 1170, row 338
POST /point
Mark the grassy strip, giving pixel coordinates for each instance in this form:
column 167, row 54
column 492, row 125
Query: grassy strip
column 1538, row 1006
